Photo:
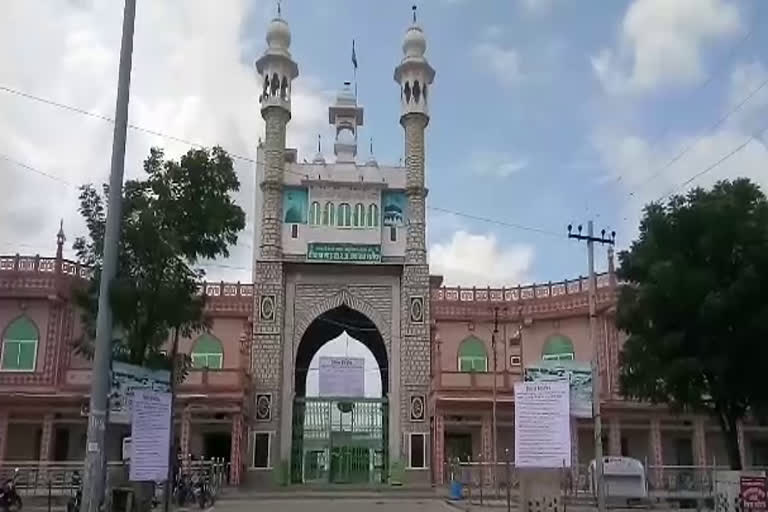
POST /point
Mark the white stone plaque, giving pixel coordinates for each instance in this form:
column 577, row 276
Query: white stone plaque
column 542, row 426
column 342, row 376
column 150, row 436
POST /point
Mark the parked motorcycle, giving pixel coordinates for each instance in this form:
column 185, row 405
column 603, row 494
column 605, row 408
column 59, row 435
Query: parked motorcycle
column 73, row 504
column 202, row 492
column 10, row 501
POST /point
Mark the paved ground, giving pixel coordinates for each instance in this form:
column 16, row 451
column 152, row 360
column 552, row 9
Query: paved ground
column 334, row 505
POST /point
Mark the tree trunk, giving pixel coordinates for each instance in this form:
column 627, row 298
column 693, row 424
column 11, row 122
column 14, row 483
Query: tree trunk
column 728, row 426
column 732, row 444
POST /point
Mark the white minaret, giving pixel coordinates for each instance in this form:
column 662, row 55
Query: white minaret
column 415, row 75
column 277, row 70
column 346, row 116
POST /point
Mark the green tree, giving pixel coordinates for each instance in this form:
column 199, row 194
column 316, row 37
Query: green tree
column 179, row 214
column 695, row 305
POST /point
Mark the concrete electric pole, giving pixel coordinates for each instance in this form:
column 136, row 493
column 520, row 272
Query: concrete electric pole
column 94, row 478
column 591, row 239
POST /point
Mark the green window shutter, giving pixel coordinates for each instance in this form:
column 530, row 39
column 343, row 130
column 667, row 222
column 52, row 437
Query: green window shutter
column 11, row 351
column 465, row 365
column 558, row 347
column 199, row 362
column 27, row 355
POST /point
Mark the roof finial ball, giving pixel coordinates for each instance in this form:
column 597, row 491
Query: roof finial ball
column 413, row 8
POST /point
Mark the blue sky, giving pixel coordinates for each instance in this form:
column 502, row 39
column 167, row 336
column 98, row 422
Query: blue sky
column 544, row 112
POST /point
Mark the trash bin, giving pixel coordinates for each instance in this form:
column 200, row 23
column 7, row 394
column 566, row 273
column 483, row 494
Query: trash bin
column 456, row 490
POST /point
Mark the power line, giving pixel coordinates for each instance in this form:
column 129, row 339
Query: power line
column 714, row 165
column 37, row 171
column 693, row 144
column 698, row 89
column 498, row 222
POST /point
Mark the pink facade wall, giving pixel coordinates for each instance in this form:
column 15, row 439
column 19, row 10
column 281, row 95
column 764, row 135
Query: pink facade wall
column 452, row 333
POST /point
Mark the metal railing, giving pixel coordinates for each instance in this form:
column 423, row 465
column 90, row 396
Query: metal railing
column 484, row 481
column 35, row 478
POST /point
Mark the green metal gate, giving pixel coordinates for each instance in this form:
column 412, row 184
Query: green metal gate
column 339, row 440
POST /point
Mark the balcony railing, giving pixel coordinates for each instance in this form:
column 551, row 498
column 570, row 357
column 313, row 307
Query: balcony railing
column 476, row 380
column 229, row 379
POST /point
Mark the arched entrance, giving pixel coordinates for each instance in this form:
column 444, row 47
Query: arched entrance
column 339, row 439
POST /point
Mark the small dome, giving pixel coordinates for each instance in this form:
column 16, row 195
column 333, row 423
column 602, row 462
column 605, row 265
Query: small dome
column 346, row 96
column 319, row 158
column 414, row 43
column 279, row 34
column 371, row 162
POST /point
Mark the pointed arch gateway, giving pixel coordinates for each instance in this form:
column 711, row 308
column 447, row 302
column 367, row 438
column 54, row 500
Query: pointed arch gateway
column 339, row 439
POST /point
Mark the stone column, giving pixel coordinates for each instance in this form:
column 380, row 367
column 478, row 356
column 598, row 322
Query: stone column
column 486, row 447
column 657, row 458
column 575, row 469
column 186, row 427
column 614, row 436
column 236, row 453
column 414, row 291
column 700, row 448
column 438, row 455
column 46, row 438
column 3, row 435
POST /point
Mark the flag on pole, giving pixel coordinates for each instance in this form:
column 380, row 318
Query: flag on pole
column 354, row 55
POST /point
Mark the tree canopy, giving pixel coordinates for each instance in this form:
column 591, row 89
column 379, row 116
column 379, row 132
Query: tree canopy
column 179, row 214
column 695, row 305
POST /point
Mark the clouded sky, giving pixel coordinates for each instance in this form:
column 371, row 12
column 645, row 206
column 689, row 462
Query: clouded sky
column 544, row 112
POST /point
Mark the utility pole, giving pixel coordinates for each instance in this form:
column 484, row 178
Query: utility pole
column 590, row 238
column 495, row 368
column 94, row 480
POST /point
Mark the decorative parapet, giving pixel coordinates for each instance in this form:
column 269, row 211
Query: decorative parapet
column 38, row 264
column 519, row 293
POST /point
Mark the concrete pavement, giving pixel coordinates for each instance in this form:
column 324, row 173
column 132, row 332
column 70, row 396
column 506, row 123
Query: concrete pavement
column 334, row 505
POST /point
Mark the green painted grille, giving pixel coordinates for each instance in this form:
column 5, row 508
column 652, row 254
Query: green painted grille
column 339, row 440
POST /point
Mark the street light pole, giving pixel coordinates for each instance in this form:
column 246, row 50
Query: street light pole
column 94, row 478
column 590, row 238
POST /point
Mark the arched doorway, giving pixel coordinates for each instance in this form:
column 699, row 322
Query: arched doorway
column 339, row 436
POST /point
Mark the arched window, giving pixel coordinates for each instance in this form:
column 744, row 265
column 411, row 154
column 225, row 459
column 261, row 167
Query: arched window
column 472, row 355
column 329, row 214
column 345, row 215
column 358, row 217
column 20, row 341
column 207, row 352
column 314, row 213
column 373, row 216
column 558, row 348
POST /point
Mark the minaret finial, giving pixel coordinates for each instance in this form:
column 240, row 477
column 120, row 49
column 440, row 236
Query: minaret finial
column 371, row 148
column 318, row 143
column 413, row 8
column 279, row 9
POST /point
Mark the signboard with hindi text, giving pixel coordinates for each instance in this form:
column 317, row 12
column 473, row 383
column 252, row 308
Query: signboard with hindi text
column 344, row 253
column 342, row 376
column 150, row 436
column 542, row 425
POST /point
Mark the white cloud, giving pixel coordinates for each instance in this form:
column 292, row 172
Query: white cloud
column 503, row 62
column 478, row 260
column 649, row 171
column 191, row 78
column 661, row 43
column 495, row 163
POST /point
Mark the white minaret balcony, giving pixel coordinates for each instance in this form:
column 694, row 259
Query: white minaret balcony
column 414, row 74
column 276, row 67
